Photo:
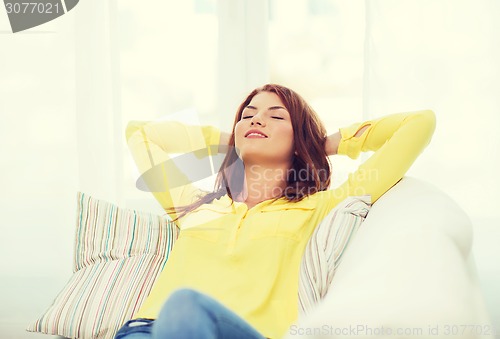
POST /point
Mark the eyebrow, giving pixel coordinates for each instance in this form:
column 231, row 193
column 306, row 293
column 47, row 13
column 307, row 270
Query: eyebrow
column 272, row 108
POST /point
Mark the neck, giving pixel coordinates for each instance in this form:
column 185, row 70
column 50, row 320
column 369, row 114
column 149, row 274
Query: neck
column 263, row 183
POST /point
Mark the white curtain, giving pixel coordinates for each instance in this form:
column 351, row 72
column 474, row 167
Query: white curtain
column 443, row 55
column 39, row 168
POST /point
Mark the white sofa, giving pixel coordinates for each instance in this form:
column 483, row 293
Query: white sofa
column 409, row 270
column 410, row 266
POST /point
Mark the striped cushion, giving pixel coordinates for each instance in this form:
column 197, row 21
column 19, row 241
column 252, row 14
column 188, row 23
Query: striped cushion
column 118, row 255
column 324, row 250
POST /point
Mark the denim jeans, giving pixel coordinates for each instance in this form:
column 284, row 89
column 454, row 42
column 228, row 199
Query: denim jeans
column 189, row 314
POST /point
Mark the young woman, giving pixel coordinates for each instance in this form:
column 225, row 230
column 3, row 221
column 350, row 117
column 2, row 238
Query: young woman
column 234, row 270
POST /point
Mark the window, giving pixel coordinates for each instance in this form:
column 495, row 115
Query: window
column 208, row 54
column 316, row 48
column 168, row 63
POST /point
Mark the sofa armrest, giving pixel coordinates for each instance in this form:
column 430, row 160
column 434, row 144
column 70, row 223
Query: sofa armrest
column 409, row 267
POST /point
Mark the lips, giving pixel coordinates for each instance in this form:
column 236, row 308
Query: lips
column 253, row 133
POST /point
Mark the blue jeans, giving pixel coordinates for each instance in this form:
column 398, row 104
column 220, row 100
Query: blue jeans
column 189, row 314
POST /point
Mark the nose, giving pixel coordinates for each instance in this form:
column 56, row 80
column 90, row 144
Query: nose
column 257, row 120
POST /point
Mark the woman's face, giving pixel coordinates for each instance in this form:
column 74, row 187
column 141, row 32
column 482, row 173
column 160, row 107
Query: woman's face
column 264, row 134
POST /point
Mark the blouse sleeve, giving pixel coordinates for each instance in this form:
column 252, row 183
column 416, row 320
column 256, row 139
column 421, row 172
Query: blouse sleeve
column 169, row 178
column 397, row 140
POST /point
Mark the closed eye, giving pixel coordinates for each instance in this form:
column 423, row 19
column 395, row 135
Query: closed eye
column 279, row 118
column 247, row 117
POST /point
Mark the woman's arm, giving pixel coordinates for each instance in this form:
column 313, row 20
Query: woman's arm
column 151, row 144
column 333, row 141
column 397, row 140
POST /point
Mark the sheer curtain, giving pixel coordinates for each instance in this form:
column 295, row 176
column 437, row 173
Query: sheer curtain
column 39, row 168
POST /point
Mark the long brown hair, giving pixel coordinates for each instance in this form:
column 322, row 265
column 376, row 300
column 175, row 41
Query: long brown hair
column 310, row 170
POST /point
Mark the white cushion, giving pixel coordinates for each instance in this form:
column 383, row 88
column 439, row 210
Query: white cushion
column 409, row 267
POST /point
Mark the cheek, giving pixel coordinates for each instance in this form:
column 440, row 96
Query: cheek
column 286, row 134
column 283, row 141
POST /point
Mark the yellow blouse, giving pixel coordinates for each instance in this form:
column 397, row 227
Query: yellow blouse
column 249, row 259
